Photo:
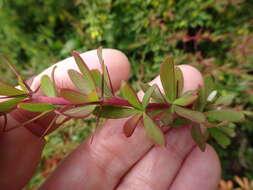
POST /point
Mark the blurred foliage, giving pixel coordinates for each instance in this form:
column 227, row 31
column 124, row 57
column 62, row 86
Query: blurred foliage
column 216, row 36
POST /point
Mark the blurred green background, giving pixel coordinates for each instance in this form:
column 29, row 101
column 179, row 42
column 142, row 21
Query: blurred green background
column 216, row 36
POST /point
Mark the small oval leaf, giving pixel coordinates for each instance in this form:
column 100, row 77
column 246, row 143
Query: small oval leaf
column 7, row 90
column 187, row 98
column 131, row 96
column 131, row 124
column 168, row 80
column 114, row 112
column 192, row 115
column 36, row 107
column 47, row 86
column 153, row 131
column 80, row 112
column 225, row 115
column 10, row 104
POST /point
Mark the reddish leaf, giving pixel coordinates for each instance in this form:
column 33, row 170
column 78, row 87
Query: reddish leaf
column 131, row 124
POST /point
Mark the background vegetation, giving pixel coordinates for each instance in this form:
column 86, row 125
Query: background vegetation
column 216, row 36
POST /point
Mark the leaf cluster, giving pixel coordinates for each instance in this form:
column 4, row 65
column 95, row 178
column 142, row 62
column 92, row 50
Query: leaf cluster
column 160, row 108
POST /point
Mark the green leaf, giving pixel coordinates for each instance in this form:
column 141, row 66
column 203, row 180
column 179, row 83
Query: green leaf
column 220, row 137
column 80, row 112
column 22, row 85
column 47, row 86
column 166, row 118
column 78, row 98
column 225, row 115
column 179, row 80
column 199, row 138
column 153, row 131
column 131, row 124
column 208, row 85
column 180, row 122
column 105, row 73
column 225, row 100
column 147, row 96
column 7, row 90
column 98, row 79
column 79, row 81
column 36, row 107
column 186, row 99
column 131, row 96
column 229, row 129
column 201, row 101
column 10, row 104
column 114, row 112
column 85, row 71
column 156, row 95
column 195, row 116
column 167, row 76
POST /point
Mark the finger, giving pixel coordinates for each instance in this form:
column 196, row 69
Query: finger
column 20, row 149
column 108, row 158
column 201, row 170
column 160, row 165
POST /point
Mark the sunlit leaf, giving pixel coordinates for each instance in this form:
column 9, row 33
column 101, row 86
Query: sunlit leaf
column 179, row 80
column 131, row 124
column 47, row 86
column 7, row 90
column 22, row 85
column 220, row 137
column 78, row 98
column 225, row 115
column 225, row 100
column 212, row 96
column 153, row 131
column 186, row 99
column 85, row 71
column 167, row 76
column 147, row 96
column 192, row 115
column 131, row 96
column 8, row 105
column 199, row 138
column 80, row 112
column 36, row 107
column 114, row 112
column 79, row 81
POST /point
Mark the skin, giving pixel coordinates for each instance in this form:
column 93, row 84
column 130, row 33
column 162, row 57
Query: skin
column 111, row 161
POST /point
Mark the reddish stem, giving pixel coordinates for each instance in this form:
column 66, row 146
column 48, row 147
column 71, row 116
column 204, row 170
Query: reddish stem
column 114, row 101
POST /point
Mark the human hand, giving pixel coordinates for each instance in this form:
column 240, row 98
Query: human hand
column 111, row 161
